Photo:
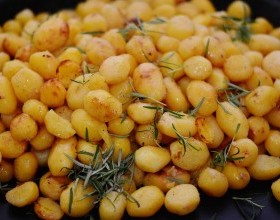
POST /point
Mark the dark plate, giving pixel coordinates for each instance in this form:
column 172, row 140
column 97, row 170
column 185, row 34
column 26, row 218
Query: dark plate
column 209, row 208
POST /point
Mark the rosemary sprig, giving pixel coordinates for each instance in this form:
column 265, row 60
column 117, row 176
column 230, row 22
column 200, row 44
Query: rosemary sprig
column 162, row 110
column 183, row 140
column 248, row 207
column 196, row 109
column 207, row 47
column 222, row 157
column 103, row 173
column 142, row 96
column 157, row 20
column 240, row 26
column 233, row 93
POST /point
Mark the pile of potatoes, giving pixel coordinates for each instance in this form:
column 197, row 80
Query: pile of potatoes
column 149, row 77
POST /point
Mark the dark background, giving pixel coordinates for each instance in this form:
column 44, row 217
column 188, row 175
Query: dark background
column 210, row 208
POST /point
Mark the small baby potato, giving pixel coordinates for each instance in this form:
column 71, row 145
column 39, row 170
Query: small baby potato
column 198, row 68
column 11, row 67
column 218, row 79
column 191, row 46
column 258, row 129
column 25, row 167
column 78, row 204
column 8, row 100
column 122, row 91
column 10, row 147
column 44, row 63
column 52, row 93
column 258, row 78
column 52, row 186
column 23, row 127
column 112, row 206
column 121, row 125
column 84, row 146
column 275, row 188
column 209, row 131
column 53, row 28
column 23, row 195
column 98, row 50
column 36, row 109
column 232, row 120
column 26, row 84
column 145, row 135
column 175, row 98
column 182, row 199
column 6, row 171
column 270, row 64
column 151, row 159
column 264, row 43
column 265, row 167
column 81, row 85
column 238, row 68
column 115, row 69
column 239, row 9
column 166, row 43
column 262, row 100
column 43, row 140
column 148, row 81
column 116, row 40
column 142, row 49
column 180, row 27
column 68, row 70
column 58, row 126
column 141, row 112
column 213, row 182
column 149, row 200
column 184, row 125
column 167, row 178
column 171, row 65
column 273, row 117
column 101, row 105
column 190, row 157
column 238, row 177
column 59, row 160
column 86, row 126
column 121, row 146
column 202, row 92
column 246, row 150
column 272, row 143
column 46, row 208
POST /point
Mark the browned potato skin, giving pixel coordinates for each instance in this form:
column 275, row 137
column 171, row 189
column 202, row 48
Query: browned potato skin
column 52, row 186
column 46, row 208
column 53, row 28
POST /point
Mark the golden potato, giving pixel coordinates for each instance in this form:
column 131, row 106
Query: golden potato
column 23, row 195
column 101, row 105
column 8, row 100
column 36, row 109
column 59, row 160
column 52, row 186
column 6, row 171
column 148, row 200
column 46, row 208
column 58, row 126
column 77, row 205
column 265, row 167
column 182, row 199
column 191, row 156
column 275, row 189
column 112, row 206
column 52, row 28
column 25, row 167
column 213, row 182
column 146, row 156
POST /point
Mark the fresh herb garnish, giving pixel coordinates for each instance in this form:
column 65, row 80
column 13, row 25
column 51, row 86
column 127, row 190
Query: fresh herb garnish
column 233, row 93
column 142, row 96
column 220, row 158
column 103, row 173
column 183, row 140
